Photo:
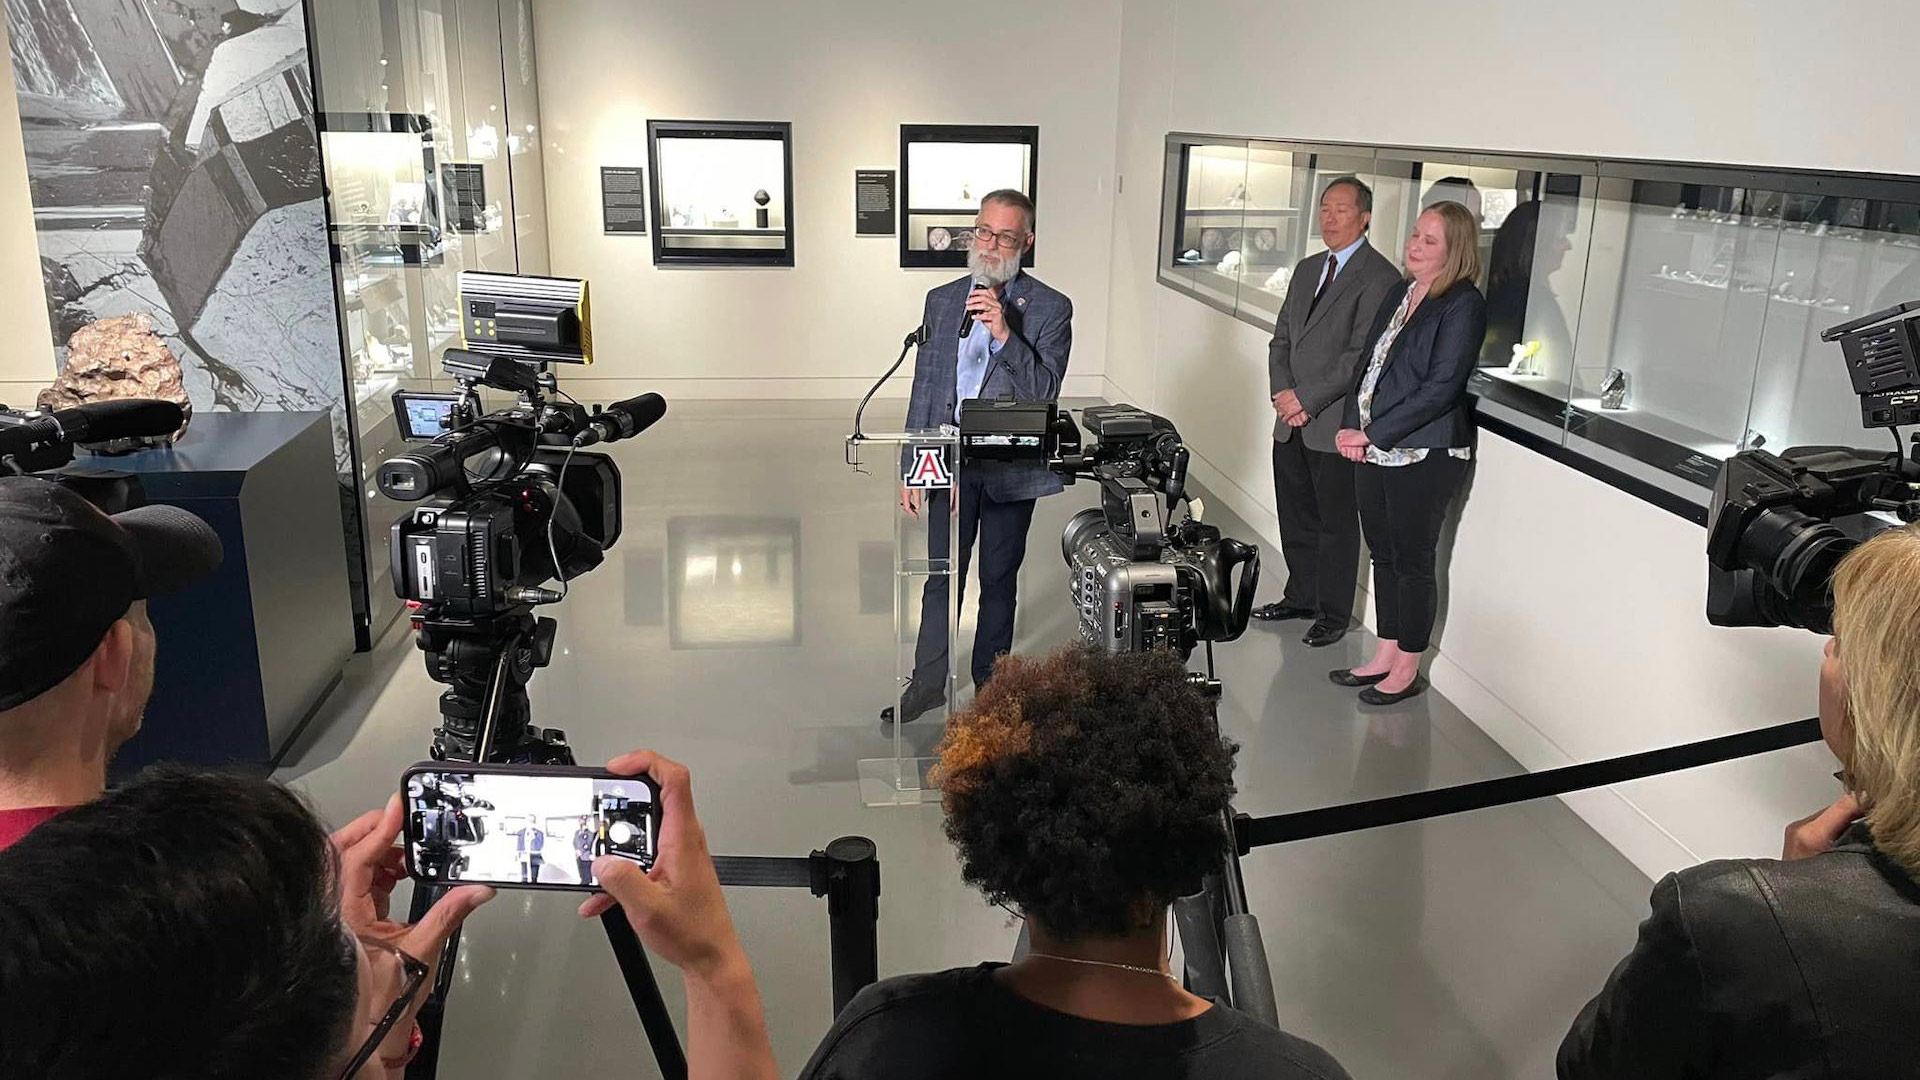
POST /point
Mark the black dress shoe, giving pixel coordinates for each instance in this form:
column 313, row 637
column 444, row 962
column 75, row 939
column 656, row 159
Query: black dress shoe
column 916, row 702
column 1325, row 632
column 1346, row 677
column 1372, row 695
column 1282, row 612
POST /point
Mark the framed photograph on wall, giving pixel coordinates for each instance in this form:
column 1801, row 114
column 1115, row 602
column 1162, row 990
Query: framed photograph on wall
column 944, row 171
column 722, row 192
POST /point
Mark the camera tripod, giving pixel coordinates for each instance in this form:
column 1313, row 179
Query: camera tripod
column 1220, row 938
column 485, row 664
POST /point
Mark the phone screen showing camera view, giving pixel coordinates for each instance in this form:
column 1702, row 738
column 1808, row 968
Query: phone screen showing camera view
column 505, row 829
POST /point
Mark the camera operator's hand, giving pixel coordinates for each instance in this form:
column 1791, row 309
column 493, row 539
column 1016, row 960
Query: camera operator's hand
column 679, row 912
column 1818, row 832
column 370, row 866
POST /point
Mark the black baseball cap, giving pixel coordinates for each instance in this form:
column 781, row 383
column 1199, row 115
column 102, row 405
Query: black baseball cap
column 68, row 571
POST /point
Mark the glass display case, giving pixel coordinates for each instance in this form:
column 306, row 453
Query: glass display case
column 430, row 142
column 384, row 201
column 1645, row 321
column 945, row 169
column 722, row 193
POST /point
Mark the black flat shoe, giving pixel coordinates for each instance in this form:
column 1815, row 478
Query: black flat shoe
column 1346, row 677
column 1325, row 632
column 1372, row 695
column 916, row 703
column 1282, row 612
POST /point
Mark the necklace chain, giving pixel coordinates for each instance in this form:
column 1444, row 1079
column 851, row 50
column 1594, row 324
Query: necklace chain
column 1102, row 963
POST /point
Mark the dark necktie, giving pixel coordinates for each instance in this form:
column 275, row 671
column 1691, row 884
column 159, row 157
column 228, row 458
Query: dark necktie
column 1333, row 266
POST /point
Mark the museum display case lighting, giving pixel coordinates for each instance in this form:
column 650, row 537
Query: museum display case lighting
column 384, row 197
column 721, row 192
column 1646, row 320
column 945, row 169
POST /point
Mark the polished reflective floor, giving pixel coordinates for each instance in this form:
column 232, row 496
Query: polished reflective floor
column 743, row 624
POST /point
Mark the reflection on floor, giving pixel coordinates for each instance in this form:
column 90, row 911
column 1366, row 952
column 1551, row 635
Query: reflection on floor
column 743, row 625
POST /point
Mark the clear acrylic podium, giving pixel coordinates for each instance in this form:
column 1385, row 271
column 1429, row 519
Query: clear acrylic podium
column 926, row 462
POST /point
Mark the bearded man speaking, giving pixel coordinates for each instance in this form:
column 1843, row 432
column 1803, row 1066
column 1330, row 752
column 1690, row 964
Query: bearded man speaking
column 998, row 332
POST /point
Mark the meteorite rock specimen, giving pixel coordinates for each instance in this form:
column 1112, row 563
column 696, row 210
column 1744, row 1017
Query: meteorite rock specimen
column 114, row 358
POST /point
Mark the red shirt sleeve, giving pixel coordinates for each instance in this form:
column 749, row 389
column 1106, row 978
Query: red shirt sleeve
column 15, row 824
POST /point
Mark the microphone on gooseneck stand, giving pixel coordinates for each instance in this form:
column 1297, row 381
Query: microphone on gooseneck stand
column 966, row 317
column 918, row 336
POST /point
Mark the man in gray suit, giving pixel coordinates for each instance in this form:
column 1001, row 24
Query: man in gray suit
column 1312, row 364
column 1008, row 339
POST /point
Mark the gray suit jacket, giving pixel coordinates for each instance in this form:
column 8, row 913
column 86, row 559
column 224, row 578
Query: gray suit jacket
column 1319, row 358
column 1030, row 366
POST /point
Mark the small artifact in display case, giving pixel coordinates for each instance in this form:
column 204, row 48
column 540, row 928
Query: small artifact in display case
column 1237, row 197
column 1278, row 280
column 760, row 201
column 942, row 238
column 723, row 219
column 406, row 203
column 1613, row 390
column 1230, row 263
column 1526, row 359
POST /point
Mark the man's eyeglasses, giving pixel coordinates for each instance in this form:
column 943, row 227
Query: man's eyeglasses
column 393, row 970
column 983, row 236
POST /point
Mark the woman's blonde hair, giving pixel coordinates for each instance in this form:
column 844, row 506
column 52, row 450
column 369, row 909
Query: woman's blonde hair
column 1462, row 233
column 1876, row 624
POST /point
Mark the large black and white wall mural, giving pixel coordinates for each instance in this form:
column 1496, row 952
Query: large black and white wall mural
column 175, row 171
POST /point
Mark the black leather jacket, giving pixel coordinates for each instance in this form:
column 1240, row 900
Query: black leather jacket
column 1757, row 968
column 1421, row 398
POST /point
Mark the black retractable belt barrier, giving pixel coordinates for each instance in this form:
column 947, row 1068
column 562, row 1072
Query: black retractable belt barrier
column 847, row 873
column 1252, row 832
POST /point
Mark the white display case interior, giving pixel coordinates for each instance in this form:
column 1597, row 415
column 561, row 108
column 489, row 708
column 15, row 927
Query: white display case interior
column 722, row 192
column 945, row 169
column 383, row 191
column 1646, row 320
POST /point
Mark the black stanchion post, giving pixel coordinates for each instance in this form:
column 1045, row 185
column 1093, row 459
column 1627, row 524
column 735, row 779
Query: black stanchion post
column 847, row 873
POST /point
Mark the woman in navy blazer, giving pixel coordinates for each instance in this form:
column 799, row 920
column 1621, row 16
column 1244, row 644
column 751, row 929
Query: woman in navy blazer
column 1409, row 426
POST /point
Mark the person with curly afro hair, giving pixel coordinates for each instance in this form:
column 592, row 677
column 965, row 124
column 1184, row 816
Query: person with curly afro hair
column 1085, row 791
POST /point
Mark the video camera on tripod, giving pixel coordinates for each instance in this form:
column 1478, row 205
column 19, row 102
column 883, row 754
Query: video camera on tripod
column 1780, row 523
column 510, row 501
column 1139, row 579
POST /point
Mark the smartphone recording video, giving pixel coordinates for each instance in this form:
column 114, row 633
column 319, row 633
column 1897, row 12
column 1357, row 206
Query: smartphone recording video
column 524, row 826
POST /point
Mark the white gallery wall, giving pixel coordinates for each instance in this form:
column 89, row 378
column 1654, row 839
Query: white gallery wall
column 1576, row 629
column 26, row 364
column 846, row 74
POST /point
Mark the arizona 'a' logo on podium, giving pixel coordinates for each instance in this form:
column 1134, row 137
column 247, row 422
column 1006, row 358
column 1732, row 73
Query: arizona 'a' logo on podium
column 929, row 468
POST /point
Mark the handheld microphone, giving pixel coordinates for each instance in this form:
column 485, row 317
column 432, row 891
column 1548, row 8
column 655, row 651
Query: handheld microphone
column 966, row 317
column 95, row 421
column 623, row 420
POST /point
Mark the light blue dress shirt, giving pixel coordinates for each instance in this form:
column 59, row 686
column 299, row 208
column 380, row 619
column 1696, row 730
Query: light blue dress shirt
column 1340, row 259
column 977, row 350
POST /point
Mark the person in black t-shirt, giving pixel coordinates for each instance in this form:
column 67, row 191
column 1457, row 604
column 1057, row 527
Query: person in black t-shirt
column 1085, row 790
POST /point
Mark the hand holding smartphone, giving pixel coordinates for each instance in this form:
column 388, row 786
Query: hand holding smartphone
column 525, row 826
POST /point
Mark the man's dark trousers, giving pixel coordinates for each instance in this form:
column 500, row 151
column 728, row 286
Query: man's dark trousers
column 1319, row 528
column 1002, row 531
